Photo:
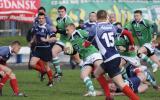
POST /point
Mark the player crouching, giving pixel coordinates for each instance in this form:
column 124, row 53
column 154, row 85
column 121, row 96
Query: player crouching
column 6, row 73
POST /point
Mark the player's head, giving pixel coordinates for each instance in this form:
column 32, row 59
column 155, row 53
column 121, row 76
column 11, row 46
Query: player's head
column 62, row 11
column 41, row 18
column 41, row 10
column 137, row 15
column 112, row 87
column 118, row 24
column 70, row 28
column 92, row 17
column 16, row 46
column 81, row 22
column 101, row 15
column 112, row 17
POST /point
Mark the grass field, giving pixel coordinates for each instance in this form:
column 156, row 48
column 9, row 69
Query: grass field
column 4, row 41
column 70, row 88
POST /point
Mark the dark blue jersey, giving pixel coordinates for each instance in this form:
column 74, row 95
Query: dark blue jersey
column 88, row 26
column 105, row 38
column 5, row 53
column 42, row 31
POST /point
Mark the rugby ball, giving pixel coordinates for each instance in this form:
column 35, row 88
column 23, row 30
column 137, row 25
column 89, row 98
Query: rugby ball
column 69, row 48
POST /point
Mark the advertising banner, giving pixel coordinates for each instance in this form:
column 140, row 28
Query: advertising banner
column 19, row 10
column 79, row 9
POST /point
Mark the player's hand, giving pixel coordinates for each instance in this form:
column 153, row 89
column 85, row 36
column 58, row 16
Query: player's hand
column 131, row 48
column 66, row 49
column 86, row 44
column 52, row 40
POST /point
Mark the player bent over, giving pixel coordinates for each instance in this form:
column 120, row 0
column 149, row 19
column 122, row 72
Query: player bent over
column 90, row 56
column 104, row 33
column 137, row 76
column 6, row 73
column 42, row 40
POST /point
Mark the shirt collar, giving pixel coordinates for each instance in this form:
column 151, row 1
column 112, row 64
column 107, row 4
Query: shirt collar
column 10, row 50
column 63, row 17
column 75, row 32
column 91, row 22
column 43, row 26
column 141, row 21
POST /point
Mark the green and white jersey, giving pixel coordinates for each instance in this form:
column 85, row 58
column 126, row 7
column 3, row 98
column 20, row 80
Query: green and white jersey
column 61, row 24
column 77, row 39
column 142, row 31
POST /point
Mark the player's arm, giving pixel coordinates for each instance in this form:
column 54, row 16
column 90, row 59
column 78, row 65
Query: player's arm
column 52, row 36
column 128, row 32
column 33, row 39
column 90, row 38
column 129, row 35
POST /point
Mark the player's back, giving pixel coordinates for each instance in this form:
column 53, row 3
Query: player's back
column 5, row 52
column 105, row 38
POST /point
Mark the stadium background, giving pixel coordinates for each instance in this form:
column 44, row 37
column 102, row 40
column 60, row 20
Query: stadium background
column 79, row 9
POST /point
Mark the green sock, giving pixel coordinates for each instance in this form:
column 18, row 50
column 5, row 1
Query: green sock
column 89, row 84
column 150, row 78
column 56, row 63
column 148, row 60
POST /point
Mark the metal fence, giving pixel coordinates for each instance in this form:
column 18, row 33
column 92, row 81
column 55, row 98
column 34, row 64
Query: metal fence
column 12, row 28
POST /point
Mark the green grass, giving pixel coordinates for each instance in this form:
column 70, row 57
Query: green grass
column 70, row 88
column 4, row 41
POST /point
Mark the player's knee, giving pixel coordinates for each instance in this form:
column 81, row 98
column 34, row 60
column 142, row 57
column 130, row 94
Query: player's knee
column 8, row 70
column 33, row 64
column 56, row 50
column 47, row 68
column 12, row 76
column 84, row 74
column 2, row 73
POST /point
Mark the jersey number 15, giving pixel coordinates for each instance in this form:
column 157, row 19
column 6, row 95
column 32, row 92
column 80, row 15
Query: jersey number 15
column 109, row 38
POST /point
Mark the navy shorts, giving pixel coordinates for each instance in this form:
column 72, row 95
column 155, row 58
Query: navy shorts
column 130, row 70
column 134, row 83
column 112, row 67
column 44, row 53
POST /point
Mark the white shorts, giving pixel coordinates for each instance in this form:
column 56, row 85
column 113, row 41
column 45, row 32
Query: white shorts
column 60, row 43
column 91, row 59
column 149, row 47
column 133, row 60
